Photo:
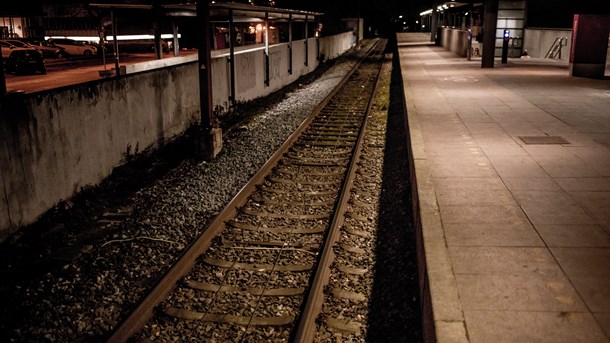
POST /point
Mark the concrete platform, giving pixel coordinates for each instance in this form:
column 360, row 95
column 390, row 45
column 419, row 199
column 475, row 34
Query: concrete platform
column 516, row 235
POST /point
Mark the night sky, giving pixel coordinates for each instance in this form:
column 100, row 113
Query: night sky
column 379, row 13
column 541, row 13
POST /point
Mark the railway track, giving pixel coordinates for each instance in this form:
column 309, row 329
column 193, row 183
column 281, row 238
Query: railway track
column 258, row 272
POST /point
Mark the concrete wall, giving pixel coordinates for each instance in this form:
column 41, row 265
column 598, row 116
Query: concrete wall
column 55, row 142
column 455, row 40
column 250, row 66
column 537, row 42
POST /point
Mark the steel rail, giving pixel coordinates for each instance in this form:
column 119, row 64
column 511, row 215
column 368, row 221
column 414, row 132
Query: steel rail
column 185, row 262
column 306, row 332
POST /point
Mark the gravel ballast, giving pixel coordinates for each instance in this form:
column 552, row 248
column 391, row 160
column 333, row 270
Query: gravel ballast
column 77, row 273
column 85, row 298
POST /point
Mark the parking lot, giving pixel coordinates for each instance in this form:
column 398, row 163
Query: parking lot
column 68, row 71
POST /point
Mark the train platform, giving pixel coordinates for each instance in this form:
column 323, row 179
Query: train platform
column 513, row 180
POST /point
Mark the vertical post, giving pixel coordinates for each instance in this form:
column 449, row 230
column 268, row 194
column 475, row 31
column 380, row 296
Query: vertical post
column 209, row 140
column 2, row 80
column 489, row 33
column 357, row 22
column 266, row 48
column 205, row 75
column 231, row 57
column 176, row 42
column 157, row 30
column 115, row 43
column 100, row 32
column 434, row 22
column 470, row 33
column 317, row 35
column 306, row 41
column 505, row 39
column 290, row 44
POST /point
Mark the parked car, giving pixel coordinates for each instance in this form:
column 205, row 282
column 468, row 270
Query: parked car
column 6, row 48
column 25, row 61
column 44, row 50
column 72, row 47
column 48, row 50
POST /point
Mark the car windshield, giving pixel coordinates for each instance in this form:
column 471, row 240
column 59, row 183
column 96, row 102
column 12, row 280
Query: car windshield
column 18, row 43
column 6, row 44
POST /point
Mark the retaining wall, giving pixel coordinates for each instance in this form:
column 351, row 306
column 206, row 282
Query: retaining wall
column 537, row 42
column 54, row 143
column 455, row 40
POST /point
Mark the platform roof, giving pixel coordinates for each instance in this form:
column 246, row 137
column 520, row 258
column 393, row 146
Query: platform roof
column 219, row 10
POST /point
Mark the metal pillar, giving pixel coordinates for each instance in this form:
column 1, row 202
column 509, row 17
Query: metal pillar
column 290, row 44
column 157, row 30
column 267, row 49
column 470, row 19
column 176, row 43
column 115, row 44
column 306, row 42
column 434, row 22
column 205, row 69
column 209, row 140
column 489, row 33
column 2, row 80
column 470, row 32
column 231, row 57
column 317, row 35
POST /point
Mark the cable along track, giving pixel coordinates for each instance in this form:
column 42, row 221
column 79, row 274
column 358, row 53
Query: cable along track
column 251, row 273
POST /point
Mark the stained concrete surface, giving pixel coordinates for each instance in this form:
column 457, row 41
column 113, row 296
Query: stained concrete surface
column 517, row 236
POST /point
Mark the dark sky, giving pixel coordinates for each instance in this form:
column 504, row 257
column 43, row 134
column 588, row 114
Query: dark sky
column 541, row 13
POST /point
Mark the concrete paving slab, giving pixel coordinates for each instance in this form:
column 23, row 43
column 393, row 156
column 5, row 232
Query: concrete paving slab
column 597, row 204
column 483, row 214
column 595, row 291
column 472, row 191
column 516, row 234
column 492, row 235
column 518, row 293
column 503, row 261
column 532, row 326
column 516, row 166
column 603, row 319
column 543, row 183
column 551, row 207
column 566, row 166
column 584, row 184
column 575, row 236
column 583, row 262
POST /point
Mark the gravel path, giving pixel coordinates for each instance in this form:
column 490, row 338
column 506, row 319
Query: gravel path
column 84, row 298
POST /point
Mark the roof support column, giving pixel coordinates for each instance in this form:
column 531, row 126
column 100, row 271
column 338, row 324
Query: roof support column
column 306, row 41
column 589, row 45
column 290, row 44
column 434, row 22
column 317, row 35
column 2, row 80
column 489, row 33
column 115, row 44
column 209, row 140
column 176, row 42
column 267, row 49
column 231, row 57
column 157, row 30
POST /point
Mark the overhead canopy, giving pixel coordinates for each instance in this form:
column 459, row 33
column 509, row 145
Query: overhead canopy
column 219, row 10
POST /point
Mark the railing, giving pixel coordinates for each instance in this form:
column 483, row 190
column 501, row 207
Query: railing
column 555, row 50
